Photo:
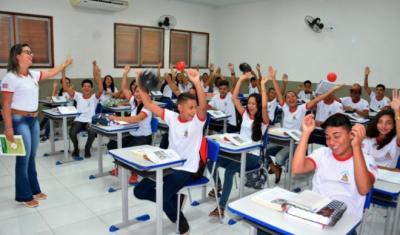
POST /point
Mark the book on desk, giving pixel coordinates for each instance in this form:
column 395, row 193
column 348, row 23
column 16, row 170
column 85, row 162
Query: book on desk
column 156, row 155
column 389, row 176
column 234, row 139
column 307, row 206
column 67, row 109
column 58, row 99
column 294, row 134
column 216, row 113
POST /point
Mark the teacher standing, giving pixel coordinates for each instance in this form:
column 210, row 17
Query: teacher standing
column 20, row 89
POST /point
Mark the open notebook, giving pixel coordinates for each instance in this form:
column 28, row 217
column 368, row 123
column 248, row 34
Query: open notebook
column 157, row 155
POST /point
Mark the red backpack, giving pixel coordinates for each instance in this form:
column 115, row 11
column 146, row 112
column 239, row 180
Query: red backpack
column 203, row 159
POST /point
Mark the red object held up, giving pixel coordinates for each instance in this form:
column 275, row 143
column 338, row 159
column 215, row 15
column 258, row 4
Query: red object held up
column 180, row 65
column 331, row 77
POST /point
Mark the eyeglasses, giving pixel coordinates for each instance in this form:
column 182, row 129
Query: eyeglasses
column 28, row 52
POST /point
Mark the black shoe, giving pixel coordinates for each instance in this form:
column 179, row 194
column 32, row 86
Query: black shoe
column 43, row 138
column 183, row 225
column 75, row 153
column 87, row 154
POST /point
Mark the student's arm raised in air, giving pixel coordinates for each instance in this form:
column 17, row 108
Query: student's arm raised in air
column 211, row 68
column 146, row 99
column 172, row 85
column 264, row 99
column 194, row 77
column 124, row 82
column 285, row 80
column 364, row 180
column 97, row 78
column 300, row 163
column 54, row 71
column 277, row 88
column 366, row 74
column 54, row 92
column 66, row 88
column 258, row 81
column 235, row 95
column 395, row 105
column 233, row 76
column 312, row 103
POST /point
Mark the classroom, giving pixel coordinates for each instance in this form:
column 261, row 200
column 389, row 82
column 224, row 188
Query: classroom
column 199, row 117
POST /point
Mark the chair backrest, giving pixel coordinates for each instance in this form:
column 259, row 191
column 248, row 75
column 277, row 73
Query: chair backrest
column 168, row 103
column 99, row 109
column 154, row 125
column 398, row 163
column 368, row 200
column 213, row 150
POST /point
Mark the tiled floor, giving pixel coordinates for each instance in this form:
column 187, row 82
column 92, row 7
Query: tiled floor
column 77, row 205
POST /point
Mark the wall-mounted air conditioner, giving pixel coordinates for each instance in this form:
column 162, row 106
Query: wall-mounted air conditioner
column 105, row 5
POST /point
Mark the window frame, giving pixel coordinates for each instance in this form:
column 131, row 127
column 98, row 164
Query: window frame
column 14, row 37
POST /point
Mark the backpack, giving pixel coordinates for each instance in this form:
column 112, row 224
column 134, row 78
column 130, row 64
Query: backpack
column 203, row 159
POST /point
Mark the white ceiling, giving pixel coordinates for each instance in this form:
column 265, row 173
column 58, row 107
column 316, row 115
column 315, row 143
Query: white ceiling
column 219, row 3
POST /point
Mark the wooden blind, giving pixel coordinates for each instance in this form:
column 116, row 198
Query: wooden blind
column 152, row 49
column 126, row 45
column 6, row 37
column 179, row 47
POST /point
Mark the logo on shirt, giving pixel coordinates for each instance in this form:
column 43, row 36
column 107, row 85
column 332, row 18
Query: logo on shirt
column 186, row 133
column 4, row 85
column 345, row 177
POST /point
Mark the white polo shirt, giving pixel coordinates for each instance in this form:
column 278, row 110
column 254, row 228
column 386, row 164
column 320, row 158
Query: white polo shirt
column 184, row 88
column 107, row 95
column 87, row 107
column 167, row 92
column 253, row 90
column 292, row 120
column 326, row 110
column 225, row 105
column 306, row 97
column 185, row 139
column 335, row 179
column 360, row 105
column 378, row 104
column 144, row 125
column 246, row 129
column 386, row 156
column 271, row 109
column 25, row 90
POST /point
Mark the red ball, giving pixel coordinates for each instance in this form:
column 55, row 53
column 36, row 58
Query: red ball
column 331, row 77
column 180, row 65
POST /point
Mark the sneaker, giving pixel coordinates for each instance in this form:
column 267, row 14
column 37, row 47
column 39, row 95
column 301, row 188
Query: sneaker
column 133, row 179
column 75, row 153
column 40, row 196
column 215, row 213
column 31, row 204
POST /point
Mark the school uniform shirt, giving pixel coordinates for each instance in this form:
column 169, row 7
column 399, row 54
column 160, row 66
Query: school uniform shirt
column 144, row 125
column 386, row 156
column 184, row 88
column 25, row 90
column 292, row 120
column 253, row 90
column 86, row 107
column 378, row 104
column 360, row 105
column 335, row 179
column 246, row 129
column 271, row 109
column 185, row 139
column 326, row 110
column 107, row 95
column 225, row 105
column 68, row 98
column 306, row 97
column 167, row 92
column 205, row 88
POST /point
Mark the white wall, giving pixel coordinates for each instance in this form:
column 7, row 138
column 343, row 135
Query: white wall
column 366, row 32
column 86, row 34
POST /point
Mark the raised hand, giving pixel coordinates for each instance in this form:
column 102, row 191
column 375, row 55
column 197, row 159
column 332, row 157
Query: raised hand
column 367, row 71
column 246, row 76
column 126, row 69
column 258, row 67
column 231, row 67
column 272, row 72
column 358, row 134
column 211, row 67
column 395, row 104
column 194, row 76
column 68, row 61
column 308, row 124
column 285, row 78
column 264, row 81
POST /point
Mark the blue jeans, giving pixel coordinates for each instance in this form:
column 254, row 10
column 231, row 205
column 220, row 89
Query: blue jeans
column 173, row 182
column 281, row 154
column 231, row 168
column 26, row 181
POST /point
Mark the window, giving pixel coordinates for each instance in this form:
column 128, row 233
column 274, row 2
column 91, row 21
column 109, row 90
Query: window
column 138, row 46
column 190, row 47
column 35, row 30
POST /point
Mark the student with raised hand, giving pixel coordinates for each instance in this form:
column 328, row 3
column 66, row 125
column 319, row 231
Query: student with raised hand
column 383, row 135
column 185, row 134
column 20, row 90
column 354, row 102
column 86, row 103
column 254, row 85
column 254, row 123
column 341, row 171
column 109, row 89
column 378, row 99
column 293, row 114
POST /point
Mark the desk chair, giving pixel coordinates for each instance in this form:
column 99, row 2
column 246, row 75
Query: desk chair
column 203, row 182
column 154, row 128
column 367, row 204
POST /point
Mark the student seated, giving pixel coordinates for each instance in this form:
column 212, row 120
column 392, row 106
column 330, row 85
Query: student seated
column 326, row 108
column 355, row 103
column 293, row 114
column 86, row 103
column 223, row 102
column 254, row 123
column 185, row 135
column 341, row 171
column 378, row 99
column 383, row 136
column 109, row 89
column 306, row 94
